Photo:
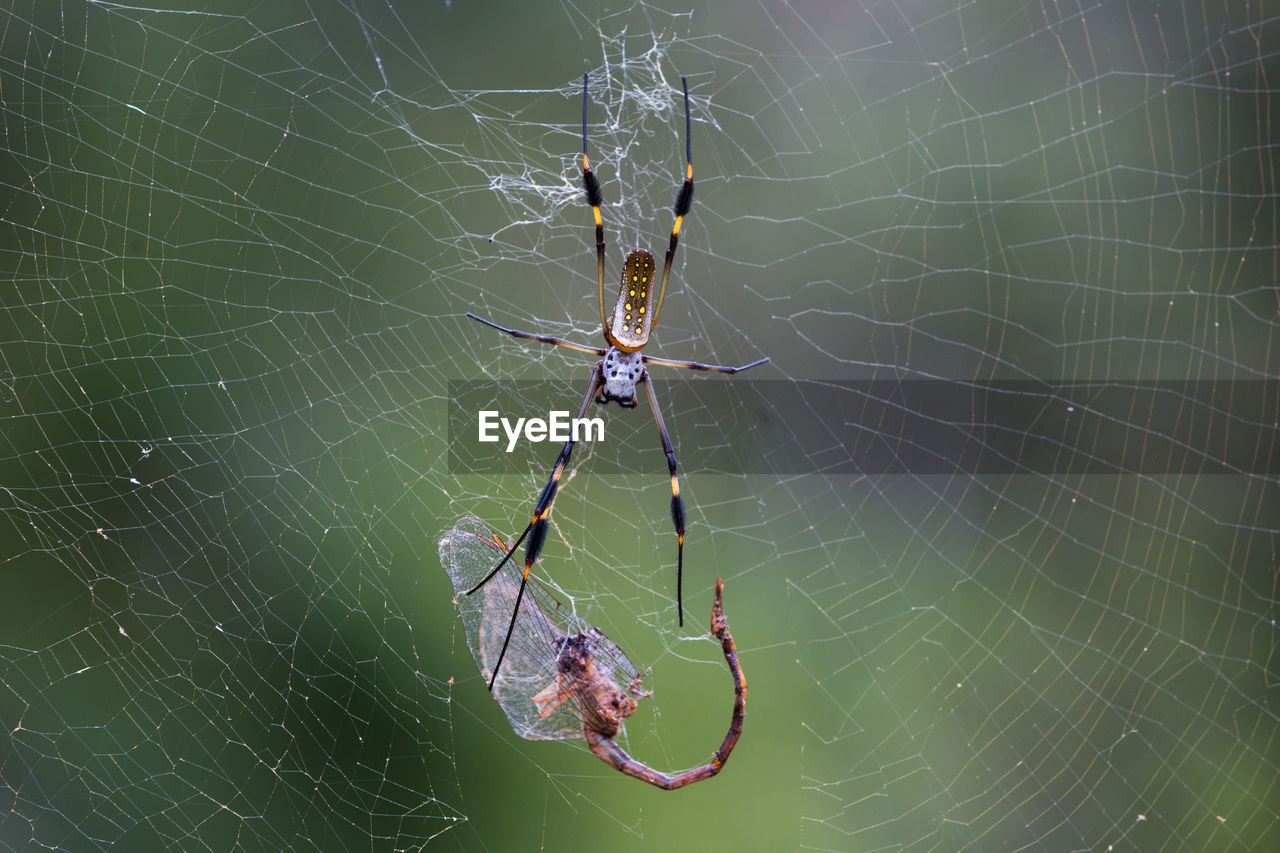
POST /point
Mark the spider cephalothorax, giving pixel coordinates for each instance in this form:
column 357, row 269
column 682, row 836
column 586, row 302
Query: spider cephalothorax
column 622, row 370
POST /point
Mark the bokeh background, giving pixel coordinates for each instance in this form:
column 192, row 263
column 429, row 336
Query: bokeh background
column 239, row 241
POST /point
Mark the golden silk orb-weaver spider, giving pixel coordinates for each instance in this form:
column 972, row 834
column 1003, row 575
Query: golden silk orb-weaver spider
column 622, row 364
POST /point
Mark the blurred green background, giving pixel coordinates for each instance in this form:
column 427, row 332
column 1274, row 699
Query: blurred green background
column 239, row 244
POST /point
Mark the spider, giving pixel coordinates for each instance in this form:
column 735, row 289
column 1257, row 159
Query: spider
column 622, row 366
column 588, row 685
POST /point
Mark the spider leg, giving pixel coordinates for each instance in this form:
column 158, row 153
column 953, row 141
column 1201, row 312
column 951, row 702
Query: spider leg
column 537, row 529
column 677, row 503
column 595, row 198
column 684, row 201
column 697, row 365
column 546, row 339
column 501, row 547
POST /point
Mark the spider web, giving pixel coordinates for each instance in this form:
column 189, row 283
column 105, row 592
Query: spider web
column 239, row 244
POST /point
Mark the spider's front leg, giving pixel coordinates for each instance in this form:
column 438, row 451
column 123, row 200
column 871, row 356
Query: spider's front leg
column 536, row 531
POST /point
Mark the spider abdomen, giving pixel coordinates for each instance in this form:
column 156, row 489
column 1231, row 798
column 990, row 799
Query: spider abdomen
column 633, row 312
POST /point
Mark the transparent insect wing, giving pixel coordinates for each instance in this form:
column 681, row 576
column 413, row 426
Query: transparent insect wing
column 542, row 701
column 467, row 558
column 529, row 670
